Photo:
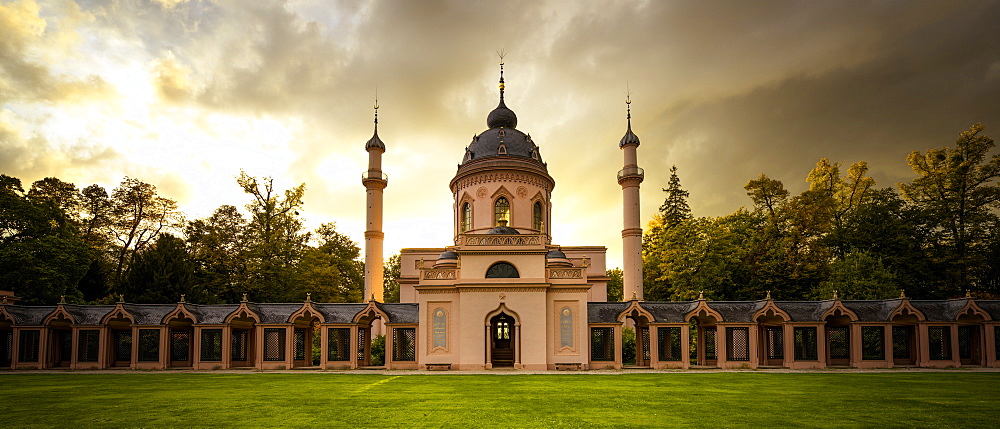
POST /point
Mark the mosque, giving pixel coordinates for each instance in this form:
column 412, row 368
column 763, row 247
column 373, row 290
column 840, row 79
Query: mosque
column 502, row 295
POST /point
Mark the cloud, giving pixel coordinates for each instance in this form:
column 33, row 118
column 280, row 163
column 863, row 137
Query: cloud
column 723, row 90
column 26, row 41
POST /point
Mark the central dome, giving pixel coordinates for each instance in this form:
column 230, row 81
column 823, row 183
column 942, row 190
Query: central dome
column 502, row 139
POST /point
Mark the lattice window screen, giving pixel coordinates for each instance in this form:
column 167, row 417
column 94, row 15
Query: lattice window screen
column 602, row 344
column 668, row 340
column 180, row 345
column 362, row 344
column 6, row 347
column 839, row 340
column 238, row 345
column 645, row 343
column 274, row 344
column 710, row 343
column 211, row 345
column 996, row 341
column 405, row 344
column 737, row 344
column 123, row 346
column 805, row 343
column 774, row 336
column 872, row 342
column 902, row 339
column 28, row 345
column 338, row 344
column 939, row 341
column 88, row 345
column 967, row 341
column 149, row 345
column 300, row 344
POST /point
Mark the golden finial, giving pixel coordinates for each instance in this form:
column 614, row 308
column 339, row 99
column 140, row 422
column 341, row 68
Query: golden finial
column 244, row 299
column 121, row 298
column 768, row 297
column 62, row 299
column 376, row 107
column 501, row 54
column 902, row 294
column 309, row 296
column 701, row 295
column 968, row 293
column 835, row 295
column 373, row 297
column 633, row 296
column 183, row 300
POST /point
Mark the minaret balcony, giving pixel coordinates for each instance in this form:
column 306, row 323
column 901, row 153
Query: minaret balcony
column 630, row 173
column 374, row 177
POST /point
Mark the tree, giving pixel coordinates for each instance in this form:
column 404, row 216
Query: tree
column 957, row 190
column 331, row 271
column 858, row 275
column 768, row 195
column 615, row 284
column 62, row 194
column 390, row 282
column 218, row 250
column 274, row 236
column 675, row 208
column 162, row 273
column 41, row 257
column 137, row 217
column 95, row 216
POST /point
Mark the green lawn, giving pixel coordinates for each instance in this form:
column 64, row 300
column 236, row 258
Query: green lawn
column 757, row 399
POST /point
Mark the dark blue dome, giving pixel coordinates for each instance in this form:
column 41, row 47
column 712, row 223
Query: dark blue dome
column 503, row 230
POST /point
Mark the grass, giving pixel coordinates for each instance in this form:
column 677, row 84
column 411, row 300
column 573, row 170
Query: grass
column 754, row 399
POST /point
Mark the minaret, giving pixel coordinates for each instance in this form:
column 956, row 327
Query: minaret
column 374, row 182
column 630, row 177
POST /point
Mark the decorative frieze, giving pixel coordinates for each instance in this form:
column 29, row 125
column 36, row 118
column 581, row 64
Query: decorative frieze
column 440, row 274
column 565, row 273
column 503, row 240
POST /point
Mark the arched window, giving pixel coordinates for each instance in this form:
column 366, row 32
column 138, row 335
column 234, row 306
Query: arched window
column 501, row 211
column 502, row 270
column 536, row 222
column 502, row 150
column 466, row 222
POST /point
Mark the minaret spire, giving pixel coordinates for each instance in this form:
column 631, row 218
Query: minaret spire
column 501, row 54
column 375, row 182
column 629, row 178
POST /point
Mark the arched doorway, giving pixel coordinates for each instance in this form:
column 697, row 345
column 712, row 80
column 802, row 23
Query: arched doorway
column 637, row 355
column 502, row 341
column 181, row 330
column 771, row 339
column 970, row 338
column 904, row 339
column 703, row 339
column 370, row 350
column 838, row 339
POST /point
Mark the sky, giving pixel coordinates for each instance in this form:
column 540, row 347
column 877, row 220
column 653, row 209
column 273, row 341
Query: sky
column 185, row 94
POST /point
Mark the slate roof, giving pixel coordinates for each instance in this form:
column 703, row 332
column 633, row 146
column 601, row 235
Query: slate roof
column 29, row 315
column 339, row 313
column 401, row 313
column 669, row 311
column 991, row 307
column 88, row 314
column 211, row 314
column 940, row 311
column 872, row 311
column 276, row 313
column 604, row 312
column 148, row 314
column 736, row 311
column 805, row 311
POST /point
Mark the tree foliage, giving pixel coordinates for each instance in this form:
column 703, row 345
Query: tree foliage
column 936, row 239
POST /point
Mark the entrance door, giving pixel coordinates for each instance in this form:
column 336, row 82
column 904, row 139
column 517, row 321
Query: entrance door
column 502, row 340
column 969, row 345
column 903, row 345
